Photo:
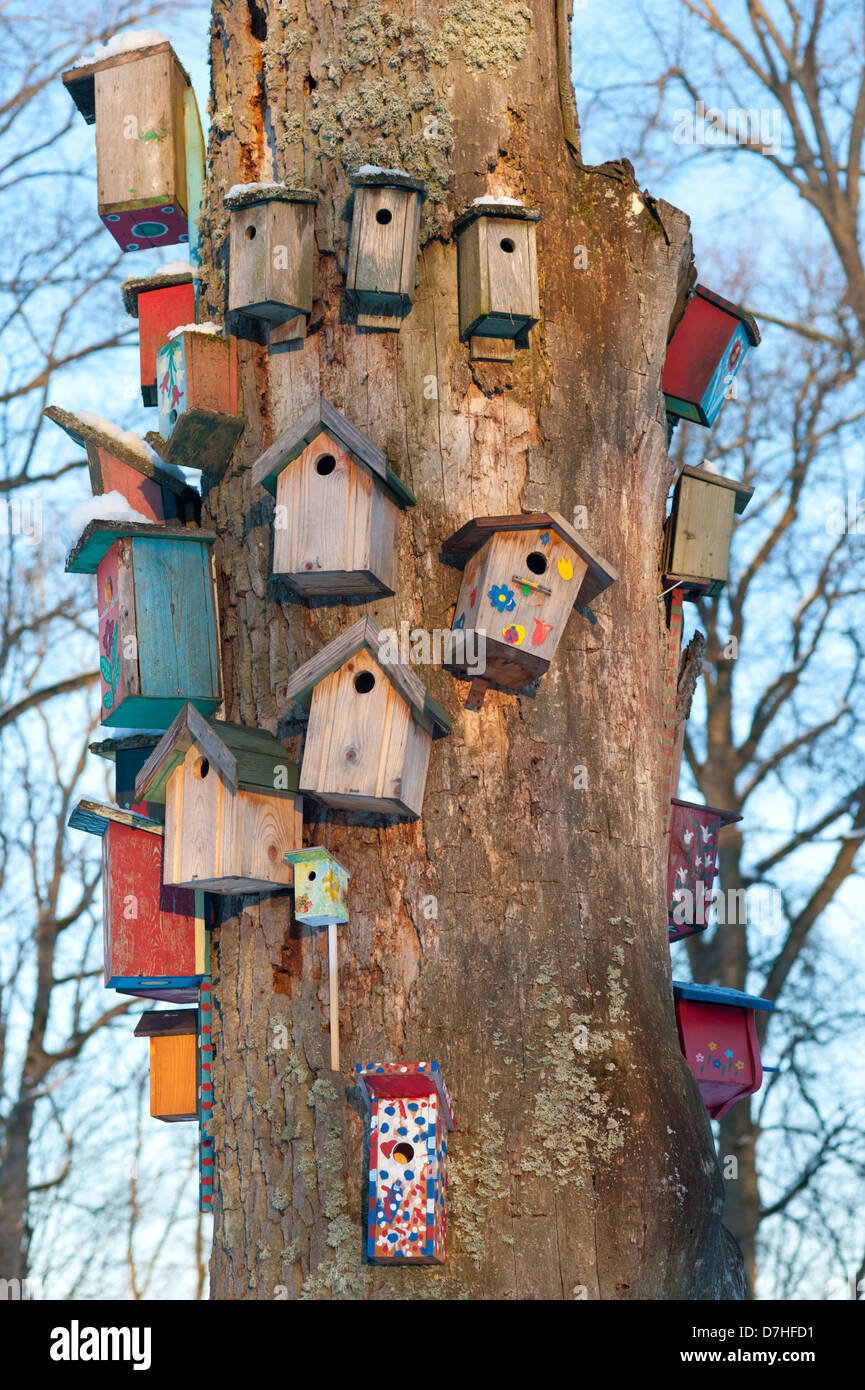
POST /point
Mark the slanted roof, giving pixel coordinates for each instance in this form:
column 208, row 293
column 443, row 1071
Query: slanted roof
column 246, row 758
column 727, row 817
column 372, row 177
column 143, row 284
column 367, row 633
column 80, row 83
column 315, row 854
column 138, row 455
column 251, row 194
column 108, row 748
column 515, row 211
column 100, row 534
column 748, row 321
column 95, row 818
column 716, row 994
column 705, row 475
column 469, row 538
column 382, row 1080
column 167, row 1023
column 321, row 417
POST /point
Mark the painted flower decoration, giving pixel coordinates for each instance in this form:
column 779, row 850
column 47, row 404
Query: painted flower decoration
column 502, row 598
column 303, row 903
column 460, row 622
column 729, row 1052
column 700, row 1057
column 330, row 885
column 739, row 1065
column 716, row 1063
column 712, row 1046
column 545, row 538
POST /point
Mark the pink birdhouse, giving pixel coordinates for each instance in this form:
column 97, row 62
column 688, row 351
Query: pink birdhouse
column 692, row 862
column 718, row 1036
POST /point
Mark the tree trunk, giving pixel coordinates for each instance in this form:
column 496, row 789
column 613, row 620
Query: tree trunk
column 522, row 907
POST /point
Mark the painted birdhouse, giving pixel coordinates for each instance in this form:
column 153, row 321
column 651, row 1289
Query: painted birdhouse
column 522, row 575
column 704, row 355
column 137, row 100
column 158, row 636
column 153, row 934
column 718, row 1036
column 698, row 531
column 196, row 383
column 371, row 725
column 173, row 1035
column 272, row 253
column 498, row 277
column 382, row 253
column 161, row 303
column 410, row 1114
column 692, row 863
column 129, row 753
column 337, row 506
column 232, row 811
column 320, row 887
column 118, row 461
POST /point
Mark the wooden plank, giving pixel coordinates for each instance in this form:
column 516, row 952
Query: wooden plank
column 167, row 1023
column 491, row 349
column 703, row 527
column 150, row 167
column 265, row 830
column 175, row 621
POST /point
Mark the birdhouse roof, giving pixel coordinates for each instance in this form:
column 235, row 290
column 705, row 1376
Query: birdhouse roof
column 142, row 284
column 515, row 211
column 109, row 748
column 100, row 534
column 92, row 433
column 246, row 758
column 370, row 176
column 727, row 817
column 705, row 475
column 715, row 994
column 367, row 633
column 469, row 538
column 316, row 854
column 167, row 1023
column 95, row 818
column 80, row 82
column 747, row 320
column 247, row 195
column 322, row 418
column 386, row 1080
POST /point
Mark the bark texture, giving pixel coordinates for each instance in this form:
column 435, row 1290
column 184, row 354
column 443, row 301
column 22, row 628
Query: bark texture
column 524, row 907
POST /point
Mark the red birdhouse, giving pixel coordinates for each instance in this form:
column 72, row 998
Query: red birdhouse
column 704, row 355
column 718, row 1037
column 692, row 862
column 161, row 303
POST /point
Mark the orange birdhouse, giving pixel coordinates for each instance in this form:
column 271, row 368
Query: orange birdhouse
column 173, row 1035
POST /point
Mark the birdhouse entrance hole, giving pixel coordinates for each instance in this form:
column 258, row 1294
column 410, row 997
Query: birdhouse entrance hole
column 507, row 244
column 364, row 682
column 326, row 464
column 536, row 562
column 250, row 233
column 403, row 1153
column 310, row 876
column 202, row 768
column 383, row 216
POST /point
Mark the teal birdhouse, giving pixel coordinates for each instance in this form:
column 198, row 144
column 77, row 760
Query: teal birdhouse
column 320, row 887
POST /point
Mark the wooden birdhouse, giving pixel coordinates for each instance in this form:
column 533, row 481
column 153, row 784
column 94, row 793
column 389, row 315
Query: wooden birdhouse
column 173, row 1035
column 320, row 887
column 692, row 863
column 137, row 100
column 410, row 1114
column 196, row 382
column 232, row 811
column 382, row 254
column 118, row 461
column 371, row 725
column 337, row 506
column 704, row 355
column 498, row 277
column 718, row 1036
column 161, row 302
column 129, row 753
column 522, row 575
column 158, row 636
column 153, row 934
column 698, row 531
column 272, row 254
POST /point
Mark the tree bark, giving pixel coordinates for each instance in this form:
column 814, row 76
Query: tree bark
column 522, row 907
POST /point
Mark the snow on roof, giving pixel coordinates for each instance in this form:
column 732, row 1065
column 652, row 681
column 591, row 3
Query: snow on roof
column 174, row 268
column 501, row 199
column 195, row 328
column 122, row 43
column 110, row 506
column 377, row 169
column 237, row 188
column 133, row 441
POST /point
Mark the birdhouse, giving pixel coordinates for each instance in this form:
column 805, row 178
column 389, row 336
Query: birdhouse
column 522, row 575
column 337, row 506
column 320, row 887
column 698, row 531
column 718, row 1036
column 704, row 355
column 232, row 811
column 272, row 260
column 371, row 725
column 498, row 276
column 158, row 636
column 129, row 753
column 173, row 1035
column 161, row 303
column 196, row 382
column 153, row 934
column 692, row 863
column 410, row 1114
column 382, row 253
column 137, row 100
column 118, row 461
